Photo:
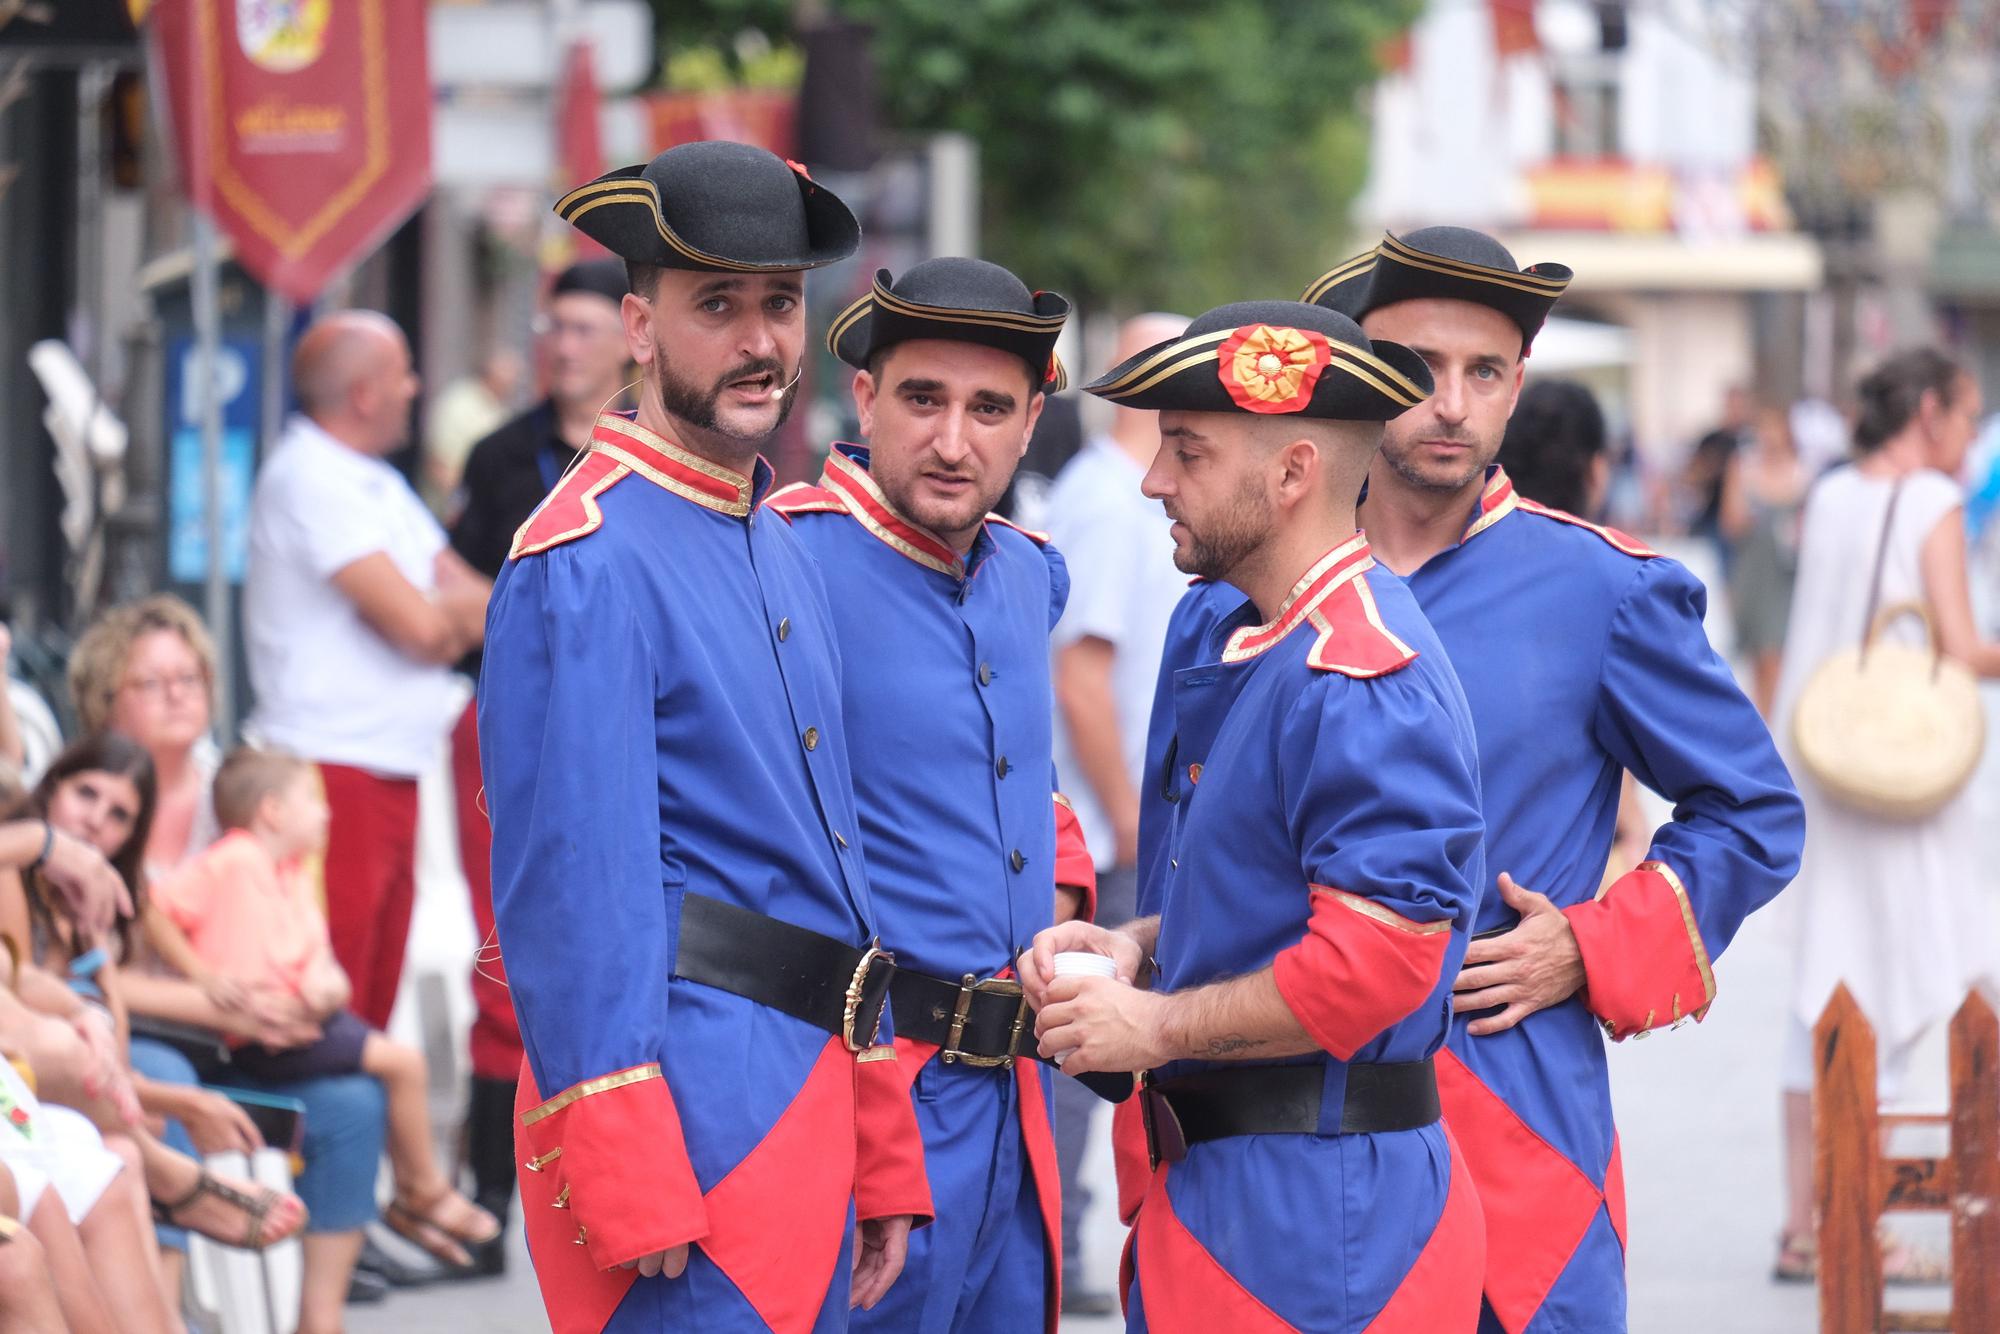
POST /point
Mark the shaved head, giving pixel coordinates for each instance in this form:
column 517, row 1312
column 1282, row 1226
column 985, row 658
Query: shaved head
column 338, row 353
column 352, row 376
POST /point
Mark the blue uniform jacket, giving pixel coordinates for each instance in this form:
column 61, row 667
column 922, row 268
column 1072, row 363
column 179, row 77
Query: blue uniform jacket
column 660, row 714
column 948, row 708
column 1583, row 656
column 949, row 718
column 1319, row 815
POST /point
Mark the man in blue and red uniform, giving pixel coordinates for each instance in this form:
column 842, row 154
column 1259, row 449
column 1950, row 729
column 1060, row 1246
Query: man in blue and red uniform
column 677, row 870
column 943, row 614
column 1316, row 884
column 1583, row 656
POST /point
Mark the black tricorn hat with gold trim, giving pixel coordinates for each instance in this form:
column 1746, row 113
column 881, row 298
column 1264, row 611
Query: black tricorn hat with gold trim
column 715, row 206
column 1271, row 357
column 959, row 300
column 1455, row 263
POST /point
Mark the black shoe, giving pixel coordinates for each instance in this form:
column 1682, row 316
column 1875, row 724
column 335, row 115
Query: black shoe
column 364, row 1288
column 1088, row 1301
column 489, row 1259
column 393, row 1272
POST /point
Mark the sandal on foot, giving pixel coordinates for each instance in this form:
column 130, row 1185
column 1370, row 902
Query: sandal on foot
column 256, row 1205
column 424, row 1226
column 1798, row 1258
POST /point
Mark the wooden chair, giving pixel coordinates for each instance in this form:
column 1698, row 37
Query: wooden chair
column 1858, row 1181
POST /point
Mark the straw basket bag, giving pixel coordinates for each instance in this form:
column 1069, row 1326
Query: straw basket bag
column 1889, row 729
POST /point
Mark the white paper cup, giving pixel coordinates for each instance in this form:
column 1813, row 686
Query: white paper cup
column 1084, row 963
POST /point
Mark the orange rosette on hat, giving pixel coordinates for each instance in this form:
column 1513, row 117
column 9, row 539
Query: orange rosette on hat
column 1272, row 369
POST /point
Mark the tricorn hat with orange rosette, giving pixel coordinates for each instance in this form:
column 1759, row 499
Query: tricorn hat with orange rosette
column 1275, row 357
column 958, row 300
column 715, row 206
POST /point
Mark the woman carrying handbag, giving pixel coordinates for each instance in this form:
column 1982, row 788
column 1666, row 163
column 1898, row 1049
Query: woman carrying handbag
column 1891, row 896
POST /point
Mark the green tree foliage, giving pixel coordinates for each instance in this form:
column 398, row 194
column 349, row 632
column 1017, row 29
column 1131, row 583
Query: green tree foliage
column 1140, row 153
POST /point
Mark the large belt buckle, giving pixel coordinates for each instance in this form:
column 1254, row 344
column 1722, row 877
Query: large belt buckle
column 1166, row 1142
column 999, row 986
column 857, row 993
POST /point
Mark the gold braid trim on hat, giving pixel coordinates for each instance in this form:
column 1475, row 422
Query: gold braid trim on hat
column 1410, row 257
column 1338, row 274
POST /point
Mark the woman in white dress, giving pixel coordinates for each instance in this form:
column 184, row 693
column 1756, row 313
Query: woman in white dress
column 1895, row 909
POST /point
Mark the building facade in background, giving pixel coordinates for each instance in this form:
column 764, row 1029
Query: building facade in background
column 1620, row 140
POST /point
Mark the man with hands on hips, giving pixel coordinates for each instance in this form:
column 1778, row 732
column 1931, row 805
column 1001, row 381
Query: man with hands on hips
column 1583, row 657
column 1315, row 888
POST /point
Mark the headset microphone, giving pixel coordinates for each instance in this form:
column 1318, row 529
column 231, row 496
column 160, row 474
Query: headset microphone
column 786, row 388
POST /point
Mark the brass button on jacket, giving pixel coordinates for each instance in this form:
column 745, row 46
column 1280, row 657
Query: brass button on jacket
column 812, row 738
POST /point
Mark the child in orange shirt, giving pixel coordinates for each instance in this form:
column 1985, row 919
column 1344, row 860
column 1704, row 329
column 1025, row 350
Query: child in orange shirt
column 242, row 911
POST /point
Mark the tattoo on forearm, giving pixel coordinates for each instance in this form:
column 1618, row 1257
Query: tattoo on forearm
column 1232, row 1044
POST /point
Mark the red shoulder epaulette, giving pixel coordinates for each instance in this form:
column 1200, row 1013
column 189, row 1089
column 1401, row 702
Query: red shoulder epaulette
column 1352, row 637
column 1039, row 539
column 1624, row 542
column 803, row 498
column 570, row 511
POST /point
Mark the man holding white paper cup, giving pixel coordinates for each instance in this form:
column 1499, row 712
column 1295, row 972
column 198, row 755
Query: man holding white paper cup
column 1319, row 875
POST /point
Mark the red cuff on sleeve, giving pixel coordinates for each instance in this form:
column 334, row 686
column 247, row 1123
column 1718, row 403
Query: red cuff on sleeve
column 1644, row 961
column 615, row 1142
column 1359, row 968
column 889, row 1175
column 1075, row 867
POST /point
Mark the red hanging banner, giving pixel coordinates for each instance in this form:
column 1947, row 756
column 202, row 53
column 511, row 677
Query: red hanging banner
column 303, row 126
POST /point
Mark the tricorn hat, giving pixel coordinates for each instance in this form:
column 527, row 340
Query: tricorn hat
column 961, row 300
column 1271, row 357
column 716, row 206
column 1456, row 263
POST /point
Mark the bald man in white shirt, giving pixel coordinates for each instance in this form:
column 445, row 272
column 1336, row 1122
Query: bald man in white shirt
column 353, row 610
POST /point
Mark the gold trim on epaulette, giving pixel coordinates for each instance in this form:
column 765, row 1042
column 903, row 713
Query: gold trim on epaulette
column 1339, row 274
column 1410, row 257
column 1623, row 543
column 1038, row 538
column 593, row 516
column 638, row 1074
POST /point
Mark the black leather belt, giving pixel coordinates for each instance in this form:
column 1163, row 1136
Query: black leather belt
column 985, row 1024
column 828, row 983
column 1282, row 1100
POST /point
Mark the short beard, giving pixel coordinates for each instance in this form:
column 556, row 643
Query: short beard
column 696, row 407
column 1402, row 464
column 1230, row 538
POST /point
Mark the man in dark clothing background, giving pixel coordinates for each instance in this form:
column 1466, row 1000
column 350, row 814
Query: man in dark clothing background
column 584, row 366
